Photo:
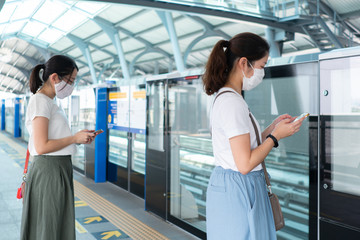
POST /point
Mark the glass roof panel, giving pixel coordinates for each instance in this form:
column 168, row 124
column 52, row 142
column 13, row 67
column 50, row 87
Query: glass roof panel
column 7, row 11
column 33, row 28
column 25, row 9
column 91, row 7
column 69, row 21
column 2, row 27
column 14, row 27
column 49, row 11
column 50, row 35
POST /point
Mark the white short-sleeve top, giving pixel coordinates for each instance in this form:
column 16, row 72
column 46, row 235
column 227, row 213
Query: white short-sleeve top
column 41, row 105
column 229, row 118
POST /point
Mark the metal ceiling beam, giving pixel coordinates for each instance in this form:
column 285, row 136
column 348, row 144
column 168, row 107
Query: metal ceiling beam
column 209, row 31
column 190, row 9
column 84, row 48
column 350, row 15
column 113, row 34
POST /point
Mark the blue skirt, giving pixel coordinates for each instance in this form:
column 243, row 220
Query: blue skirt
column 238, row 206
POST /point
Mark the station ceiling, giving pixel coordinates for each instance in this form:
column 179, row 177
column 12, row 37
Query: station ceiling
column 33, row 30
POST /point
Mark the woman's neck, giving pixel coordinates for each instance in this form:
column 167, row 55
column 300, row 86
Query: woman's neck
column 234, row 82
column 48, row 91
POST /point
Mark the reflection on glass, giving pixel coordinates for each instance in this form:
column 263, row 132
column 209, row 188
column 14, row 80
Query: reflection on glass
column 9, row 115
column 191, row 151
column 138, row 153
column 156, row 116
column 288, row 165
column 80, row 111
column 340, row 77
column 118, row 147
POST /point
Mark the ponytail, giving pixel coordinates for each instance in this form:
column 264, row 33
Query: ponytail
column 35, row 81
column 216, row 70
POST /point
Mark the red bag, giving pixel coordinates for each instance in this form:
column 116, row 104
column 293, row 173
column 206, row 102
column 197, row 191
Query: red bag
column 21, row 189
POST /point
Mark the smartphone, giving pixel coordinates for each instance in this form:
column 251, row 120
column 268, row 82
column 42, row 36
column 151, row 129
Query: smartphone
column 98, row 131
column 302, row 115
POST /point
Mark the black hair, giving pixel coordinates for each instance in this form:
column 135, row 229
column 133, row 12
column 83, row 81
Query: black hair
column 59, row 64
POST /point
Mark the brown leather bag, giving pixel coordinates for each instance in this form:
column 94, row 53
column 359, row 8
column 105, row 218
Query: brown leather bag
column 274, row 201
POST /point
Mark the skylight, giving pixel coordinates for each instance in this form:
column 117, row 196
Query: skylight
column 33, row 28
column 69, row 21
column 50, row 35
column 49, row 11
column 14, row 27
column 25, row 9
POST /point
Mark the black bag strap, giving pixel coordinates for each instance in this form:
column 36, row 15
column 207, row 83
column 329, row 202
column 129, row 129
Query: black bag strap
column 263, row 162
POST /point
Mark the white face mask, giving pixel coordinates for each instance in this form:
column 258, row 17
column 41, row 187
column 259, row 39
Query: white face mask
column 63, row 89
column 254, row 80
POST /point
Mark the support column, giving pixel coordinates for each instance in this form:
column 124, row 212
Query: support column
column 275, row 47
column 114, row 37
column 168, row 22
column 17, row 132
column 101, row 139
column 84, row 48
column 3, row 114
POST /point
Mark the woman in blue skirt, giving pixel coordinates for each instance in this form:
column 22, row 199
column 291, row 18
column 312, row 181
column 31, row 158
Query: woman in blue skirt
column 237, row 204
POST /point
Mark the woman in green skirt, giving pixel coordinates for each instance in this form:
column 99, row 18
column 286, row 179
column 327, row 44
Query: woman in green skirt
column 48, row 210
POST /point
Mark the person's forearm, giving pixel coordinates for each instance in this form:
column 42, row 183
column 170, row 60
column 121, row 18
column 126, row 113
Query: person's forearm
column 53, row 145
column 267, row 131
column 257, row 155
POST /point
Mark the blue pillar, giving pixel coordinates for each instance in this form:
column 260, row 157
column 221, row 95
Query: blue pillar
column 101, row 139
column 3, row 114
column 17, row 132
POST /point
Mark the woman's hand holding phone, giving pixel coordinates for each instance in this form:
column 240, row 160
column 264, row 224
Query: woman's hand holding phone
column 289, row 126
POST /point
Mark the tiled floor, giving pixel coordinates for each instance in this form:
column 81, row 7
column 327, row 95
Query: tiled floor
column 103, row 210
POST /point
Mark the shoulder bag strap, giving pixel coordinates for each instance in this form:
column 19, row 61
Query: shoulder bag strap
column 258, row 142
column 218, row 95
column 26, row 161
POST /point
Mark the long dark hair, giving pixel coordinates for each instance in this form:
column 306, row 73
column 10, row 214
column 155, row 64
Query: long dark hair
column 221, row 62
column 59, row 64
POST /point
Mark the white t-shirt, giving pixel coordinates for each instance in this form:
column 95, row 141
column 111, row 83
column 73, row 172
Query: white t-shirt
column 41, row 105
column 229, row 118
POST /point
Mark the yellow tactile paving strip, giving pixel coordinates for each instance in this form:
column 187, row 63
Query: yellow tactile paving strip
column 124, row 221
column 21, row 150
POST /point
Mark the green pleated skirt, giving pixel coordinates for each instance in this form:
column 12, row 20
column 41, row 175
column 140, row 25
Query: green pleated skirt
column 48, row 209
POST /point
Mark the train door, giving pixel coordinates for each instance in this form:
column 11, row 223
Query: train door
column 179, row 157
column 156, row 151
column 126, row 124
column 340, row 148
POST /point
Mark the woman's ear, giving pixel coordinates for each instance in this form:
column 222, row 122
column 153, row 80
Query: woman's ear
column 242, row 63
column 54, row 78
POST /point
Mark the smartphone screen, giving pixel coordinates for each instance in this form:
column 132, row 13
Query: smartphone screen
column 302, row 115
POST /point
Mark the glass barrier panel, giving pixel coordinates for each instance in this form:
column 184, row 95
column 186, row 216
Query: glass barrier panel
column 155, row 121
column 191, row 157
column 138, row 127
column 288, row 165
column 340, row 132
column 118, row 147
